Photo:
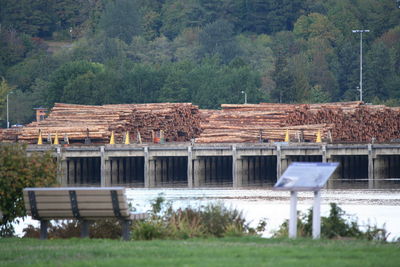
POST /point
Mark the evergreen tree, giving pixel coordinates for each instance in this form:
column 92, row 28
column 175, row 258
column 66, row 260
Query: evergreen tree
column 379, row 71
column 218, row 39
column 121, row 19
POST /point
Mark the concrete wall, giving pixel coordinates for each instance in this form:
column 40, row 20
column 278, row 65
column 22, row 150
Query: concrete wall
column 234, row 165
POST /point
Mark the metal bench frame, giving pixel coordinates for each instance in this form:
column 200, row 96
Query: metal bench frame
column 85, row 216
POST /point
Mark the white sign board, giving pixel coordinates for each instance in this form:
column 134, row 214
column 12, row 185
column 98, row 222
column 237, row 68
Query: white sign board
column 306, row 176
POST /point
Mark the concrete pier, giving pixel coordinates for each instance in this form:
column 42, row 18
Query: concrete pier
column 236, row 165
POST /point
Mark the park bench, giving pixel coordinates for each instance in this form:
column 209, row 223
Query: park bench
column 85, row 204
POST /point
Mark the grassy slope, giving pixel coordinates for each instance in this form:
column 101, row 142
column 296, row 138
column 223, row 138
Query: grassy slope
column 199, row 252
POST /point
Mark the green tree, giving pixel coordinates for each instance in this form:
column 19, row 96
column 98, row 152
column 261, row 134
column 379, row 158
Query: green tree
column 299, row 69
column 141, row 83
column 32, row 17
column 218, row 39
column 186, row 45
column 242, row 77
column 180, row 14
column 22, row 103
column 72, row 13
column 344, row 16
column 318, row 95
column 71, row 81
column 391, row 39
column 377, row 15
column 379, row 73
column 121, row 19
column 14, row 47
column 269, row 16
column 176, row 87
column 4, row 90
column 24, row 74
column 151, row 24
column 316, row 25
column 212, row 83
column 285, row 45
column 322, row 60
column 348, row 72
column 257, row 52
column 17, row 171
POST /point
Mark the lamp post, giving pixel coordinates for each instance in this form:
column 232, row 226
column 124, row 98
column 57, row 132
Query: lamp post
column 361, row 80
column 245, row 96
column 8, row 121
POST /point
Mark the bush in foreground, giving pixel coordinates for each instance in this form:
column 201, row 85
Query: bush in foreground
column 336, row 226
column 17, row 171
column 212, row 220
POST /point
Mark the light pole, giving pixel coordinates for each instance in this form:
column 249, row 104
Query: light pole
column 8, row 121
column 245, row 96
column 361, row 80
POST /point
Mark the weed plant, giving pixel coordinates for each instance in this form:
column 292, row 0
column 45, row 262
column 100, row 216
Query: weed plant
column 212, row 220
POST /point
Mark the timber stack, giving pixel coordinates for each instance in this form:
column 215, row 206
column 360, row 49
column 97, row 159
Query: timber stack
column 234, row 123
column 352, row 121
column 337, row 122
column 255, row 123
column 178, row 121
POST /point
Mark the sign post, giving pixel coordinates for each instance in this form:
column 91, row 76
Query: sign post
column 316, row 224
column 305, row 176
column 293, row 215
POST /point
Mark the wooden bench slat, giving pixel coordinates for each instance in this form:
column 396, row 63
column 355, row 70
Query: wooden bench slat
column 133, row 216
column 81, row 199
column 78, row 193
column 84, row 214
column 80, row 188
column 81, row 206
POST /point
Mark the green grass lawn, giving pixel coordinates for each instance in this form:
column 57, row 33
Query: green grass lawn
column 246, row 251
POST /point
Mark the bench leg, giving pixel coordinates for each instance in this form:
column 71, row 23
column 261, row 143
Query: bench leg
column 85, row 228
column 43, row 229
column 126, row 230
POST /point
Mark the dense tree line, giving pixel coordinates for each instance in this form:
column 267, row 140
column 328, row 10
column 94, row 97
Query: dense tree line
column 201, row 51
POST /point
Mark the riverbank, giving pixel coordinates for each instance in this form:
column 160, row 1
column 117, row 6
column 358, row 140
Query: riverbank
column 371, row 207
column 243, row 251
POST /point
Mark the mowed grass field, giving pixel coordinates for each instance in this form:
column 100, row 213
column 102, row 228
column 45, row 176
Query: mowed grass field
column 243, row 251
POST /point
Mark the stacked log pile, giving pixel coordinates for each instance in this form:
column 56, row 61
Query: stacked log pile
column 179, row 121
column 352, row 122
column 9, row 135
column 254, row 123
column 338, row 122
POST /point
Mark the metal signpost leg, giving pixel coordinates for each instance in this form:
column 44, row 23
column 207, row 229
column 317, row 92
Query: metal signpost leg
column 316, row 226
column 293, row 215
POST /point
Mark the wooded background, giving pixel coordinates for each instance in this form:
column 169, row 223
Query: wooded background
column 205, row 52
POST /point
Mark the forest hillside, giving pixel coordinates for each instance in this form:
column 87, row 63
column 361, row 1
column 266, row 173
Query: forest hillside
column 205, row 52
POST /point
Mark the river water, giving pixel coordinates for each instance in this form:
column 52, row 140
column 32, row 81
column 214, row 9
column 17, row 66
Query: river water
column 379, row 207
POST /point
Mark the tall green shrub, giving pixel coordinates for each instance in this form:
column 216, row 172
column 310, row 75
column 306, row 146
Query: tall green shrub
column 17, row 171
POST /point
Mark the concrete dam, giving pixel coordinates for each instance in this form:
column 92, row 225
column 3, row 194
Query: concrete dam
column 205, row 165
